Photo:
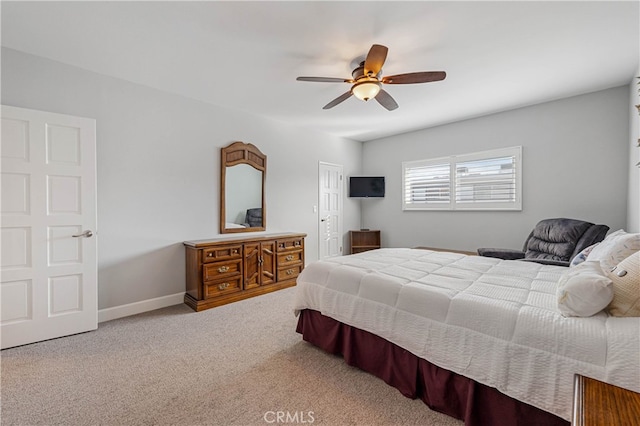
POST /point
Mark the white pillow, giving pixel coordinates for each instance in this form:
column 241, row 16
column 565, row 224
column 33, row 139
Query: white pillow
column 616, row 247
column 584, row 290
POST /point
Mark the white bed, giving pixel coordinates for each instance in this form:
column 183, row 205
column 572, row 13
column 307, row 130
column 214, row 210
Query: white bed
column 493, row 321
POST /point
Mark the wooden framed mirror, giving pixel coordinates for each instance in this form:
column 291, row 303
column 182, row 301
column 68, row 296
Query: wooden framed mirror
column 243, row 172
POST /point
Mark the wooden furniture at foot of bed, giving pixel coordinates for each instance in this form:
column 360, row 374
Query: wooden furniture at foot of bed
column 225, row 270
column 596, row 403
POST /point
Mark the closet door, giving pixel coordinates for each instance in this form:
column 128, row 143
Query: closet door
column 330, row 181
column 48, row 287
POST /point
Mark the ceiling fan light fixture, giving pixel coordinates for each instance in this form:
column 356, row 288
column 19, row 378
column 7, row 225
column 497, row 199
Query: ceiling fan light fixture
column 368, row 80
column 366, row 90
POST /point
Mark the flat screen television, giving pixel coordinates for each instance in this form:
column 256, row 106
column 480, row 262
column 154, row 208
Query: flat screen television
column 366, row 186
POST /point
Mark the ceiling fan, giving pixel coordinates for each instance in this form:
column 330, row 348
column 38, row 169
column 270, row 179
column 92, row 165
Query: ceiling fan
column 368, row 83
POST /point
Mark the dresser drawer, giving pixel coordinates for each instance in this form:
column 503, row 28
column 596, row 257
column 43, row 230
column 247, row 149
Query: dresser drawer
column 217, row 254
column 219, row 270
column 290, row 244
column 289, row 258
column 228, row 285
column 290, row 272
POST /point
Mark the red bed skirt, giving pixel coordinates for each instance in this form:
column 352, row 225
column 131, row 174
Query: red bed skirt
column 442, row 390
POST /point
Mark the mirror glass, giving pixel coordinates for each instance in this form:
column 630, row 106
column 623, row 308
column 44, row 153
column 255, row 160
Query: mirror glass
column 243, row 193
column 242, row 203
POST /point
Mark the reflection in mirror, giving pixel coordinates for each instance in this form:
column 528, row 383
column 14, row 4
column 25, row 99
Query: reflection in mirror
column 242, row 203
column 243, row 195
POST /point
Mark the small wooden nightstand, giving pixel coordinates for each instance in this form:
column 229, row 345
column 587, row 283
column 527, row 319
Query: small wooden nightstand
column 364, row 240
column 596, row 403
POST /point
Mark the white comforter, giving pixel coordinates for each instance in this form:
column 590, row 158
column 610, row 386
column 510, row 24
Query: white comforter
column 494, row 321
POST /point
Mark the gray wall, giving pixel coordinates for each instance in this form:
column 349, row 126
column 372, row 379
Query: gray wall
column 575, row 164
column 158, row 165
column 633, row 215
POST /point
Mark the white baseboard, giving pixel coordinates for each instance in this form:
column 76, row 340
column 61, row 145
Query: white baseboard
column 121, row 311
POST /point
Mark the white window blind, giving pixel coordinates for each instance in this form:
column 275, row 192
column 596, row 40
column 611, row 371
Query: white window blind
column 428, row 184
column 489, row 180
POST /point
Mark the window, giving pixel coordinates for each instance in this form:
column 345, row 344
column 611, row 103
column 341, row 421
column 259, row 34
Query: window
column 489, row 180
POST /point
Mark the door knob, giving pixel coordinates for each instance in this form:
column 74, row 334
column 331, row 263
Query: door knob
column 85, row 234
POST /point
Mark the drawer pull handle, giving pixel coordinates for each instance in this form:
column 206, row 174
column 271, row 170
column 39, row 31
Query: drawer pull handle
column 289, row 258
column 289, row 271
column 209, row 254
column 223, row 269
column 223, row 286
column 297, row 243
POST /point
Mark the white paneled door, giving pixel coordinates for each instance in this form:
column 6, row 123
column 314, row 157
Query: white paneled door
column 330, row 217
column 48, row 282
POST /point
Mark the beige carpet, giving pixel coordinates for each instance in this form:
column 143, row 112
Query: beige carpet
column 239, row 364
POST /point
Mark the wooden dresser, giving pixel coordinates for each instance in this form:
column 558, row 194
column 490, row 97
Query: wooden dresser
column 228, row 269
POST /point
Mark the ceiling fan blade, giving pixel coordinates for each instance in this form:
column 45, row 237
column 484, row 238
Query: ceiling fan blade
column 386, row 100
column 325, row 79
column 375, row 59
column 414, row 77
column 338, row 100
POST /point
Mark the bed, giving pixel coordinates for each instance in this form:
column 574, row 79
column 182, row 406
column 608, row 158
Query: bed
column 480, row 339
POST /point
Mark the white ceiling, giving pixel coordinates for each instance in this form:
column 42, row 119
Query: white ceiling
column 247, row 55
